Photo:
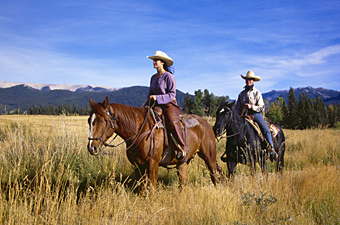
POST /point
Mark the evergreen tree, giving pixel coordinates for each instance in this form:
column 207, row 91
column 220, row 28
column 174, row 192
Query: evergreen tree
column 309, row 113
column 75, row 109
column 41, row 110
column 82, row 112
column 331, row 115
column 301, row 111
column 293, row 119
column 284, row 110
column 198, row 103
column 336, row 114
column 67, row 108
column 214, row 105
column 87, row 109
column 187, row 106
column 206, row 102
column 47, row 111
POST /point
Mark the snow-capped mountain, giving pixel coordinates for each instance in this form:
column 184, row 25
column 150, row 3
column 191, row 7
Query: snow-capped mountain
column 69, row 87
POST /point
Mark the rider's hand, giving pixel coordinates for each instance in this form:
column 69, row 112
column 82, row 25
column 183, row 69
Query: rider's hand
column 153, row 97
column 248, row 106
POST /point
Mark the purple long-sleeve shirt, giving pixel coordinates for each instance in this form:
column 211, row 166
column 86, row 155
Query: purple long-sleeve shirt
column 163, row 87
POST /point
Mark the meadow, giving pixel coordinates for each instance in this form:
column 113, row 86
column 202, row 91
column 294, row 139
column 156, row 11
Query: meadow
column 47, row 176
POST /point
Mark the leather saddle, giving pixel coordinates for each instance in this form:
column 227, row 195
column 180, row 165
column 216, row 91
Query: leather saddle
column 273, row 129
column 187, row 120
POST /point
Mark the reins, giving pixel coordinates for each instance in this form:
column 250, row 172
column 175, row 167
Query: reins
column 138, row 135
column 225, row 130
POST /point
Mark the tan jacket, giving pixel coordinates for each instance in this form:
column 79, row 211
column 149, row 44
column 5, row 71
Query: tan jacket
column 252, row 97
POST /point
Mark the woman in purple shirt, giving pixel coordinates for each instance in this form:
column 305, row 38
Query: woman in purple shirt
column 163, row 93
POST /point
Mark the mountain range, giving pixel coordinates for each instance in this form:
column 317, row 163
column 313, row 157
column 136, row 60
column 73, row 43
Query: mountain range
column 24, row 95
column 329, row 97
column 50, row 87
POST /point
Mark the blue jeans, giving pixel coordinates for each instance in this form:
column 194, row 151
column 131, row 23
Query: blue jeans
column 263, row 126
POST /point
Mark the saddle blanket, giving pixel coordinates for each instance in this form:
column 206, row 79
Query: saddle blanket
column 187, row 120
column 273, row 129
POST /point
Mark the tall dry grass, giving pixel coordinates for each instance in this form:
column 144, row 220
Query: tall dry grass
column 48, row 177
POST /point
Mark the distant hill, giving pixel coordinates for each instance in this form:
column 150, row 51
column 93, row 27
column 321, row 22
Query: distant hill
column 65, row 87
column 23, row 97
column 328, row 96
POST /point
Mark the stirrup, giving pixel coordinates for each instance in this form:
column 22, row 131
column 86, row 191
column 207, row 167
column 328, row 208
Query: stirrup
column 179, row 155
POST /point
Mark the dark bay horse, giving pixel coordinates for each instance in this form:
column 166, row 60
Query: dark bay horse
column 145, row 144
column 243, row 143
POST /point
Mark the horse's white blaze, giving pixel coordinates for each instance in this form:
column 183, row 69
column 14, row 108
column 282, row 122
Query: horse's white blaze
column 222, row 110
column 93, row 117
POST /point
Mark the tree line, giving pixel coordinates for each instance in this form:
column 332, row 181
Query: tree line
column 203, row 103
column 303, row 113
column 63, row 109
column 299, row 113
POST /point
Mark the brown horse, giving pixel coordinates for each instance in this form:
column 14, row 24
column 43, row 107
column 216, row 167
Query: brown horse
column 146, row 146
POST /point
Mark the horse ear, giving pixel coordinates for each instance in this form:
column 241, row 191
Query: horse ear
column 231, row 104
column 106, row 102
column 223, row 101
column 91, row 103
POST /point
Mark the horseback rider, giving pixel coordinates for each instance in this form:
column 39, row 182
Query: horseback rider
column 163, row 93
column 250, row 102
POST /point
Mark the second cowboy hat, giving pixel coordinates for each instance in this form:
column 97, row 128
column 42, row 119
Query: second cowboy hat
column 251, row 75
column 163, row 56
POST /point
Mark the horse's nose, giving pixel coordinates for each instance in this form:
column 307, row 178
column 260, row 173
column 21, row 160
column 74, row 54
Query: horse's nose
column 92, row 149
column 217, row 131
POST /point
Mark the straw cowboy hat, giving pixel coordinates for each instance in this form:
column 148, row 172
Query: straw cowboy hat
column 163, row 56
column 251, row 75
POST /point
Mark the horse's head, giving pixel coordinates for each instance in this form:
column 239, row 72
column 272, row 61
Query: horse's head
column 223, row 117
column 101, row 123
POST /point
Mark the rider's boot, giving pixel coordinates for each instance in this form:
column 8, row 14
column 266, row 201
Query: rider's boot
column 273, row 154
column 182, row 151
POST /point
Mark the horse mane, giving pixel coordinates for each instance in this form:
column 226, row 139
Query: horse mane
column 128, row 116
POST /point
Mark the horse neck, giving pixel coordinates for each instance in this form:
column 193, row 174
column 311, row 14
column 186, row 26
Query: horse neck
column 130, row 119
column 235, row 122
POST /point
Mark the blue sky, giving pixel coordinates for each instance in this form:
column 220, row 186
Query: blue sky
column 287, row 43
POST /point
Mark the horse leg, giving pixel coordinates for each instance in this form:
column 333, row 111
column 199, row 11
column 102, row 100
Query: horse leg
column 213, row 167
column 231, row 167
column 280, row 161
column 264, row 163
column 152, row 171
column 139, row 174
column 182, row 171
column 146, row 175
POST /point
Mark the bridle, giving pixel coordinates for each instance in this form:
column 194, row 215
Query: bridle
column 227, row 124
column 113, row 119
column 111, row 125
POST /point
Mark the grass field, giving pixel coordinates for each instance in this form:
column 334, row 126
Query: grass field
column 47, row 176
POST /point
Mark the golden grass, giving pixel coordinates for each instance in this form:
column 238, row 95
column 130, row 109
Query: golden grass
column 48, row 177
